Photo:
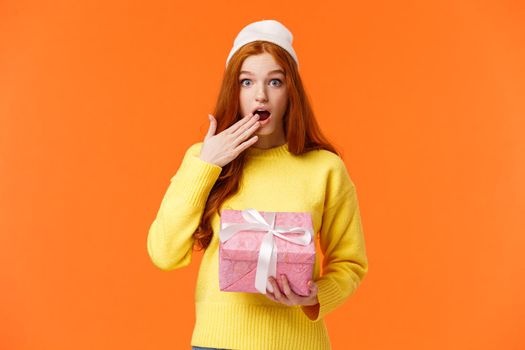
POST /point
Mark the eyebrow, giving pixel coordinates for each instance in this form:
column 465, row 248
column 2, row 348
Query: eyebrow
column 273, row 71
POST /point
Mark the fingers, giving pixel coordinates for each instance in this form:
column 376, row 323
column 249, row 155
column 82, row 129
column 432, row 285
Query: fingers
column 287, row 295
column 247, row 133
column 247, row 128
column 313, row 287
column 276, row 290
column 286, row 287
column 222, row 148
column 291, row 297
column 244, row 145
column 279, row 296
column 232, row 129
column 213, row 126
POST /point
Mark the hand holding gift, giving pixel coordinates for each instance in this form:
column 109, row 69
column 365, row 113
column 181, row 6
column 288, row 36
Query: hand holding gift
column 288, row 297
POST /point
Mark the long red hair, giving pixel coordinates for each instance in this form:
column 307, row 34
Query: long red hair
column 300, row 127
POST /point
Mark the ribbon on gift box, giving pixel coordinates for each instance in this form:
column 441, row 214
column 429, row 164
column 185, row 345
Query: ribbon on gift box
column 267, row 260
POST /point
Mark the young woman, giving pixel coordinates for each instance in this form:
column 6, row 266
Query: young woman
column 263, row 150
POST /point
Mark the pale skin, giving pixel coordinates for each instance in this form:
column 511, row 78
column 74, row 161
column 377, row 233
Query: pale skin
column 261, row 84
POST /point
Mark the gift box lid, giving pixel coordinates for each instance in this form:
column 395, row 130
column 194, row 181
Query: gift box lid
column 245, row 244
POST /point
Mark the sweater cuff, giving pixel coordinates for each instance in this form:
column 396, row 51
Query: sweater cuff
column 329, row 297
column 195, row 179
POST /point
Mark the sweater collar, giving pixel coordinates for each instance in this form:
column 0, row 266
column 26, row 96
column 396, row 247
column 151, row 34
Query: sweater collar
column 273, row 152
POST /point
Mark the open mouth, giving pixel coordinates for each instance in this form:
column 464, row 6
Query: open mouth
column 263, row 114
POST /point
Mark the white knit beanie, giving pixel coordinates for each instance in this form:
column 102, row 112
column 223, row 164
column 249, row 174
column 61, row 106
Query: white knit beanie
column 267, row 30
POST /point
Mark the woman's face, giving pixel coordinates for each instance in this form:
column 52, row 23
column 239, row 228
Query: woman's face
column 262, row 86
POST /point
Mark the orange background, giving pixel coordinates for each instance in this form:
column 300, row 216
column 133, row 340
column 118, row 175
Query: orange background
column 99, row 100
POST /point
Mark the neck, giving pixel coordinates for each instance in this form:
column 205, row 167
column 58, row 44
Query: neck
column 270, row 141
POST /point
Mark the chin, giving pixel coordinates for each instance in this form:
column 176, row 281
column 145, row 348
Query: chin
column 265, row 132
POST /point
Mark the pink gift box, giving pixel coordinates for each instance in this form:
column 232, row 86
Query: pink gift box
column 239, row 254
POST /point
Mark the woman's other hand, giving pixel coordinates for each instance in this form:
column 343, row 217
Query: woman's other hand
column 224, row 147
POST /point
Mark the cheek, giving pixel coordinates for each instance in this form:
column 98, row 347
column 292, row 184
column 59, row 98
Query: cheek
column 244, row 105
column 282, row 104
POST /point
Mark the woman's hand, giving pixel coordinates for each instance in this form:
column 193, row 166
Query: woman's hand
column 224, row 147
column 288, row 297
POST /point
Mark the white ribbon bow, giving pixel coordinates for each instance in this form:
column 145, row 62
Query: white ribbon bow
column 267, row 261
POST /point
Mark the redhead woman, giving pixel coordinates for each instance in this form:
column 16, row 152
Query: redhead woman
column 264, row 150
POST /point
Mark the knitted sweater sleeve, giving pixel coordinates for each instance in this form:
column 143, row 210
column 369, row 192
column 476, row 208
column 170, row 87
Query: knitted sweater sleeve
column 170, row 237
column 345, row 262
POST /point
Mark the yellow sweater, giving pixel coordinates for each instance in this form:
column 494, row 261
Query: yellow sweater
column 273, row 180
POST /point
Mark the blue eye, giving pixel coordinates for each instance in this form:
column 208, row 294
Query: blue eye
column 279, row 80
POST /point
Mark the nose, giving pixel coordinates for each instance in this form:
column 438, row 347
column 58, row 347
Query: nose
column 260, row 95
